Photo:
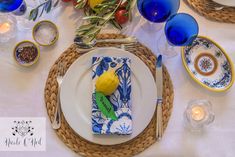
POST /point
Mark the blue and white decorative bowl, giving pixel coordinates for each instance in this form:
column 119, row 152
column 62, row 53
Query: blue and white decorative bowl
column 208, row 64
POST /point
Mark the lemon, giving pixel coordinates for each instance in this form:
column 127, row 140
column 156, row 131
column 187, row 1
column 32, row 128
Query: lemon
column 93, row 3
column 107, row 83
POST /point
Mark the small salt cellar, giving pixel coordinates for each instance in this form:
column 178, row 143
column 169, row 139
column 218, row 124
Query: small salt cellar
column 45, row 33
column 198, row 114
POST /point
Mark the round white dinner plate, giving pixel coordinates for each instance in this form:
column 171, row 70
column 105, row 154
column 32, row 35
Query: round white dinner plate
column 230, row 3
column 76, row 96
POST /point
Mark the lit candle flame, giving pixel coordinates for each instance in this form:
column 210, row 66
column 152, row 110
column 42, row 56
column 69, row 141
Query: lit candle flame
column 4, row 27
column 198, row 113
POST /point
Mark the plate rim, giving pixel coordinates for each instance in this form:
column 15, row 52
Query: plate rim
column 106, row 144
column 199, row 82
column 223, row 4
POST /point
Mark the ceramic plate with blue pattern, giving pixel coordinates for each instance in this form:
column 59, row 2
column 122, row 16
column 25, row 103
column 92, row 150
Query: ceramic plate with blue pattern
column 208, row 64
column 134, row 102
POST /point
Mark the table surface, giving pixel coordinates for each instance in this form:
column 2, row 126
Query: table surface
column 21, row 90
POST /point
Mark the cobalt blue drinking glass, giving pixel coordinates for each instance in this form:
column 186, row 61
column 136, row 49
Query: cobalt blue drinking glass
column 181, row 29
column 17, row 7
column 158, row 11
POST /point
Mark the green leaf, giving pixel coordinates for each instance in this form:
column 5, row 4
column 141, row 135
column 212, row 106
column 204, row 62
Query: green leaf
column 115, row 24
column 43, row 8
column 80, row 1
column 33, row 14
column 88, row 32
column 85, row 27
column 101, row 9
column 105, row 106
column 56, row 3
column 36, row 15
column 92, row 17
column 108, row 16
column 81, row 4
column 87, row 11
column 105, row 4
column 93, row 31
column 48, row 6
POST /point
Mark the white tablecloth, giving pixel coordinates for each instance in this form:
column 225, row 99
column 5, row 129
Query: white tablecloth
column 21, row 91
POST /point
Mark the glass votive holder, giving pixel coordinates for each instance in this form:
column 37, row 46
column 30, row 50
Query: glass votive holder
column 198, row 114
column 7, row 27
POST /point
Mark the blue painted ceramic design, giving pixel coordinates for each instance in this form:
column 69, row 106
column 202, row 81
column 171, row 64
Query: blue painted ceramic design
column 211, row 59
column 120, row 99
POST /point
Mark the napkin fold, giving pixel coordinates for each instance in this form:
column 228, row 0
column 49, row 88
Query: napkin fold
column 120, row 99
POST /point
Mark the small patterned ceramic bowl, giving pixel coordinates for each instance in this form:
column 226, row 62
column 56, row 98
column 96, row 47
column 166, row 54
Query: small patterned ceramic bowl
column 26, row 53
column 45, row 33
column 208, row 64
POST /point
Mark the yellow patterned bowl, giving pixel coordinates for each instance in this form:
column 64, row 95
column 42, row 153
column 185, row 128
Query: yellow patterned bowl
column 208, row 64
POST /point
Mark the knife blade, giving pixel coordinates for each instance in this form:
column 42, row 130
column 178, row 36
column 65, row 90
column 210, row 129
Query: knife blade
column 159, row 86
column 159, row 82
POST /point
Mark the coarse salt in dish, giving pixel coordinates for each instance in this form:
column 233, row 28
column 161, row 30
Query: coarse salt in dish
column 45, row 33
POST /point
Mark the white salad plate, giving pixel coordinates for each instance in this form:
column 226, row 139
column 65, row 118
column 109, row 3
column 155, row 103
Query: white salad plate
column 230, row 3
column 76, row 96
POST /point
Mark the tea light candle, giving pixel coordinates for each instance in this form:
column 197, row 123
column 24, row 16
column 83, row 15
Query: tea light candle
column 7, row 27
column 4, row 27
column 198, row 113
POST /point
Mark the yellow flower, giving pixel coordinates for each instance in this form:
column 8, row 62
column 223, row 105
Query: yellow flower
column 93, row 3
column 107, row 83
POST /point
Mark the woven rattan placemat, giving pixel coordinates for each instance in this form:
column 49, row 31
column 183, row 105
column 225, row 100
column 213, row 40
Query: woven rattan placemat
column 130, row 148
column 227, row 14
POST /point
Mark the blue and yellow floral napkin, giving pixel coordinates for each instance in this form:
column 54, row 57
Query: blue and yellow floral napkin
column 120, row 99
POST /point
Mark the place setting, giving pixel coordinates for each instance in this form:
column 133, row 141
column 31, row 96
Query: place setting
column 78, row 89
column 108, row 94
column 216, row 10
